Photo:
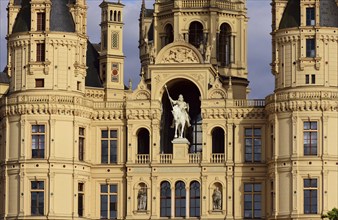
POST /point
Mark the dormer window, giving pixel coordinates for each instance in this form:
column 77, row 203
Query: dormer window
column 41, row 21
column 310, row 16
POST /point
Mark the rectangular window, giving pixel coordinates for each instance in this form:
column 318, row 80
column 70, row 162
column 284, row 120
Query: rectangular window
column 272, row 140
column 307, row 79
column 310, row 196
column 39, row 83
column 310, row 131
column 41, row 21
column 310, row 48
column 38, row 141
column 253, row 144
column 313, row 79
column 81, row 143
column 80, row 206
column 104, row 40
column 252, row 200
column 40, row 52
column 108, row 201
column 310, row 16
column 108, row 146
column 78, row 85
column 37, row 197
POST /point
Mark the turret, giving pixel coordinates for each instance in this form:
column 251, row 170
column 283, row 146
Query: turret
column 111, row 56
column 47, row 48
column 304, row 48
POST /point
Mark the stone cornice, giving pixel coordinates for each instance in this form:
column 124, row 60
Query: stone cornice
column 302, row 101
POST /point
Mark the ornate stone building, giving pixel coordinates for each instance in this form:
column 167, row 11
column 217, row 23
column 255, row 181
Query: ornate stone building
column 76, row 143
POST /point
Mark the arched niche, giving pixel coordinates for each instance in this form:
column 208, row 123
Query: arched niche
column 191, row 96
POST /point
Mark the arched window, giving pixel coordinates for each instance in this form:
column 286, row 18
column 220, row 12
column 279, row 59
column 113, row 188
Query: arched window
column 196, row 33
column 169, row 34
column 180, row 196
column 143, row 141
column 119, row 16
column 111, row 15
column 195, row 199
column 115, row 15
column 224, row 50
column 165, row 203
column 217, row 140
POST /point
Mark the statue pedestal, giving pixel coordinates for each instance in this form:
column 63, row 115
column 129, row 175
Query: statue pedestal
column 180, row 150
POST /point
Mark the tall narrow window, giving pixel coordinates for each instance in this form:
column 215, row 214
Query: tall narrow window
column 195, row 199
column 310, row 48
column 310, row 131
column 40, row 52
column 196, row 124
column 108, row 146
column 180, row 195
column 169, row 34
column 41, row 21
column 310, row 16
column 313, row 79
column 165, row 203
column 217, row 140
column 37, row 197
column 104, row 39
column 253, row 144
column 80, row 206
column 38, row 141
column 272, row 141
column 224, row 42
column 81, row 143
column 143, row 141
column 108, row 201
column 252, row 200
column 196, row 34
column 307, row 79
column 310, row 196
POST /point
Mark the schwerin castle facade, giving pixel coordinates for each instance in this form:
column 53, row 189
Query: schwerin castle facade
column 76, row 143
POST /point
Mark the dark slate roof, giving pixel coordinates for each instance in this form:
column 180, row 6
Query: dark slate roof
column 61, row 19
column 4, row 76
column 151, row 31
column 148, row 13
column 22, row 21
column 328, row 13
column 291, row 15
column 93, row 71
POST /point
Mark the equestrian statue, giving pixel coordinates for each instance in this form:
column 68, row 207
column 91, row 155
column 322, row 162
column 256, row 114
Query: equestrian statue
column 180, row 111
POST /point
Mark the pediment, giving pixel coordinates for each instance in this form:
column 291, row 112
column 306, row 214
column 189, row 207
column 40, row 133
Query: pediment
column 179, row 52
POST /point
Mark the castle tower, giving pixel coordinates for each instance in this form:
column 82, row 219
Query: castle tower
column 45, row 130
column 217, row 29
column 303, row 109
column 111, row 56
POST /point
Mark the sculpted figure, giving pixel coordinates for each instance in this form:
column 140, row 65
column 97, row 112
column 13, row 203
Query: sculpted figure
column 180, row 112
column 217, row 199
column 208, row 54
column 142, row 199
column 152, row 54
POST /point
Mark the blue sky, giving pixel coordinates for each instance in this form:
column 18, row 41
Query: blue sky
column 259, row 40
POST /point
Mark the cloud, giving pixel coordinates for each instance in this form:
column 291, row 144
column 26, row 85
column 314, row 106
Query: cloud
column 259, row 42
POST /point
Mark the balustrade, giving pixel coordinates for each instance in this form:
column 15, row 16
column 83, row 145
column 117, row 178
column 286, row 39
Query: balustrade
column 217, row 158
column 142, row 158
column 195, row 158
column 166, row 158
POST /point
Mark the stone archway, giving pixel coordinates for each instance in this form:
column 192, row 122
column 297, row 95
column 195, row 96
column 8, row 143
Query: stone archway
column 191, row 95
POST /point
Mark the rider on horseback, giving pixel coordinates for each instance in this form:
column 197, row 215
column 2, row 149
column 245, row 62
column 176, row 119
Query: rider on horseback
column 184, row 107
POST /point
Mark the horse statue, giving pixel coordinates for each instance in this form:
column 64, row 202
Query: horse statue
column 180, row 111
column 180, row 119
